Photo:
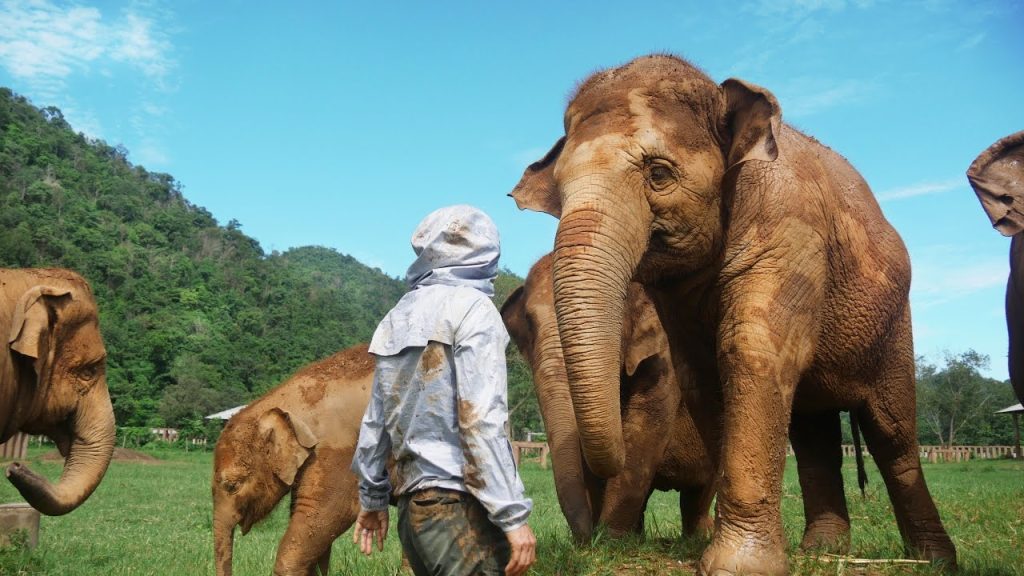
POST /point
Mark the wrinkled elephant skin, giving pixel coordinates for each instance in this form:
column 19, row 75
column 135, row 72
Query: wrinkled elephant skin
column 53, row 381
column 997, row 176
column 774, row 273
column 297, row 438
column 663, row 446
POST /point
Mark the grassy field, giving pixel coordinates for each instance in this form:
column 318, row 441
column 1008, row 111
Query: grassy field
column 154, row 518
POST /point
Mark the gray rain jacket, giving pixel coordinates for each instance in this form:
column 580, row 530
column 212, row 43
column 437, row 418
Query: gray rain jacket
column 439, row 392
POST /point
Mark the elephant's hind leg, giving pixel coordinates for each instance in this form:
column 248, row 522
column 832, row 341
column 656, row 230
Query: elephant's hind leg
column 817, row 442
column 889, row 423
column 694, row 511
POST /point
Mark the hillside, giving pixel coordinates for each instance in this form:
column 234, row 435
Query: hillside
column 196, row 317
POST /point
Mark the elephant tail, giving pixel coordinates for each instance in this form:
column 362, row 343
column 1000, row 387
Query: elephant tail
column 862, row 476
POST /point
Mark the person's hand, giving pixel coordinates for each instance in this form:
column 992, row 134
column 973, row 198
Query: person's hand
column 524, row 550
column 370, row 524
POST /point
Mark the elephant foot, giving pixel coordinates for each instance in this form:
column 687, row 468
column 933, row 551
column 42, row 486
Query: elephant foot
column 702, row 527
column 746, row 558
column 831, row 536
column 936, row 548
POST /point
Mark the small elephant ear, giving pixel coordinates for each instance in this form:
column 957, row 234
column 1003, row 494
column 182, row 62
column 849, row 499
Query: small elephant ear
column 997, row 176
column 289, row 441
column 754, row 119
column 513, row 314
column 537, row 190
column 643, row 336
column 33, row 322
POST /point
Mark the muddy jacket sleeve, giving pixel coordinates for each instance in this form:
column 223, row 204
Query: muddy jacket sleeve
column 371, row 457
column 481, row 388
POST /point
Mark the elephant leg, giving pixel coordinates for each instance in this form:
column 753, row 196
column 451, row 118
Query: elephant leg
column 817, row 442
column 324, row 505
column 647, row 419
column 759, row 373
column 323, row 564
column 889, row 423
column 695, row 510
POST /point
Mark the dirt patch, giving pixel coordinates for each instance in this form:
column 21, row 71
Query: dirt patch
column 120, row 455
column 351, row 363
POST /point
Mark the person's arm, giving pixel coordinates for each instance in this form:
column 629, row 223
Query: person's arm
column 372, row 450
column 481, row 387
column 370, row 466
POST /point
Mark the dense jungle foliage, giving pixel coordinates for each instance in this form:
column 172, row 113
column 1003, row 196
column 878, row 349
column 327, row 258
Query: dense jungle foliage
column 195, row 316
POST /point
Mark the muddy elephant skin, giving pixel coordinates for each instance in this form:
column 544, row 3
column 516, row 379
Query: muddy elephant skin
column 997, row 176
column 297, row 438
column 663, row 445
column 53, row 381
column 774, row 274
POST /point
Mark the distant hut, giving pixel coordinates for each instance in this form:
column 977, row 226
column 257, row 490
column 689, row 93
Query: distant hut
column 1016, row 410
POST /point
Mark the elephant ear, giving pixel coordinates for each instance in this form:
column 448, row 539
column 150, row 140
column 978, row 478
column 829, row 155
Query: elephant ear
column 289, row 442
column 537, row 189
column 517, row 322
column 754, row 119
column 35, row 316
column 997, row 176
column 643, row 336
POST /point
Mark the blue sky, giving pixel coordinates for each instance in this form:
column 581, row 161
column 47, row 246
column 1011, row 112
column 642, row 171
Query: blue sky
column 342, row 124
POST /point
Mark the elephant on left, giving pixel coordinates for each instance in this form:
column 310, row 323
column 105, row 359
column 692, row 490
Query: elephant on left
column 53, row 382
column 298, row 438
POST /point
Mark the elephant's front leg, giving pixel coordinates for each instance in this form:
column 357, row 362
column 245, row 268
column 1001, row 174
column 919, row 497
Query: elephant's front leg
column 760, row 362
column 325, row 503
column 648, row 414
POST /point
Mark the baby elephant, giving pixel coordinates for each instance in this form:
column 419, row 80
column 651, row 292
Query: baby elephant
column 667, row 446
column 297, row 438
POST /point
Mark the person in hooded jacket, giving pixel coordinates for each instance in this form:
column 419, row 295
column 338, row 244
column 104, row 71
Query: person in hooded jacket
column 438, row 406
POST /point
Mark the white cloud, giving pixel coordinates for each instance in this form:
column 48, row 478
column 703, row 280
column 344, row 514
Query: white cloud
column 524, row 158
column 922, row 189
column 808, row 96
column 44, row 42
column 942, row 273
column 971, row 41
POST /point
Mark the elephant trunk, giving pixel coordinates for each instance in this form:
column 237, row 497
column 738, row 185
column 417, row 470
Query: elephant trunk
column 87, row 460
column 553, row 395
column 598, row 245
column 224, row 522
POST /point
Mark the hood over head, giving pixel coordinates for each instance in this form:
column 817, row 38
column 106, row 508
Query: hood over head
column 455, row 246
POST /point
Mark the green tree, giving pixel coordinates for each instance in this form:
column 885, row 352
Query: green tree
column 956, row 403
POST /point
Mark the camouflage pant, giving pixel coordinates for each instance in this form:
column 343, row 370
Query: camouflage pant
column 447, row 533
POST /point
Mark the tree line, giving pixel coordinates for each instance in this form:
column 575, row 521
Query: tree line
column 197, row 318
column 195, row 315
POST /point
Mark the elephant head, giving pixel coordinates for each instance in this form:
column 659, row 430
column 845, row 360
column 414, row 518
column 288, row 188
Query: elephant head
column 997, row 176
column 56, row 385
column 256, row 460
column 637, row 184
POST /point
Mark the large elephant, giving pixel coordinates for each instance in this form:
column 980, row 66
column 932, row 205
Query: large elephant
column 997, row 176
column 298, row 438
column 667, row 446
column 775, row 275
column 53, row 381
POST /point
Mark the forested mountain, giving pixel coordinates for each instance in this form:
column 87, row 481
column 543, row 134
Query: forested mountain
column 196, row 317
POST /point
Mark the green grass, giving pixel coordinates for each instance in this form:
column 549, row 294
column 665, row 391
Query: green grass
column 155, row 518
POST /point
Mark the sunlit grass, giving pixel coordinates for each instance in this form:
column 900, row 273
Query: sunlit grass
column 155, row 518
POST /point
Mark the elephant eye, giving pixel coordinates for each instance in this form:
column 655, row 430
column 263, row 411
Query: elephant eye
column 88, row 372
column 660, row 176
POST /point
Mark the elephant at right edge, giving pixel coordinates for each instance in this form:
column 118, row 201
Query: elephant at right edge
column 997, row 176
column 775, row 275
